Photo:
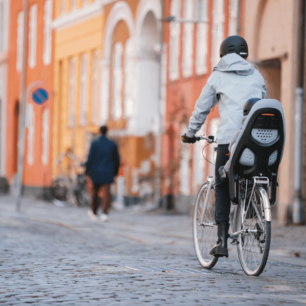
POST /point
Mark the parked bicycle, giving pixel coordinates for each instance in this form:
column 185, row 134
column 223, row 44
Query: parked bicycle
column 70, row 188
column 252, row 183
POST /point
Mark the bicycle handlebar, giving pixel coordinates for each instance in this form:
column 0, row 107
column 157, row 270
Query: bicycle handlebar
column 209, row 139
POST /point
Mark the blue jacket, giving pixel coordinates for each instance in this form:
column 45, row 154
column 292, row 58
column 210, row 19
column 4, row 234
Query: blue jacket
column 103, row 161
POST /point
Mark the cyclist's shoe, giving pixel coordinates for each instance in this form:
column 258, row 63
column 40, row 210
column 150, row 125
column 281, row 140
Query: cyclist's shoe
column 220, row 249
column 222, row 173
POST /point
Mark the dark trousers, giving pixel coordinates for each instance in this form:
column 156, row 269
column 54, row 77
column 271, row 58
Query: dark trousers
column 106, row 201
column 223, row 202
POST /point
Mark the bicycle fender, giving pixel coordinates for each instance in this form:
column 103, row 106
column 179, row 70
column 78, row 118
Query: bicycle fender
column 266, row 204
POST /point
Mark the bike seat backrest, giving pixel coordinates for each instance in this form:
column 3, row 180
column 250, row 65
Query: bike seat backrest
column 259, row 147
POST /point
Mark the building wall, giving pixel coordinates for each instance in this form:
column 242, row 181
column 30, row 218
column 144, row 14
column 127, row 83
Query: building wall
column 39, row 67
column 271, row 29
column 184, row 166
column 77, row 47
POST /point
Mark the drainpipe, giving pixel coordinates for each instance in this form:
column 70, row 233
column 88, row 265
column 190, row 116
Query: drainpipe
column 298, row 202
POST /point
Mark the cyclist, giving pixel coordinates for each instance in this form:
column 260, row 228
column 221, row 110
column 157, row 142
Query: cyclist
column 232, row 82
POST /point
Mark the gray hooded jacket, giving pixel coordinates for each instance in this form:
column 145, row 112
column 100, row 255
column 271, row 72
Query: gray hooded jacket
column 234, row 81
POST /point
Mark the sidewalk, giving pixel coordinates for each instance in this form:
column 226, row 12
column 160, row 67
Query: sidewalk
column 51, row 255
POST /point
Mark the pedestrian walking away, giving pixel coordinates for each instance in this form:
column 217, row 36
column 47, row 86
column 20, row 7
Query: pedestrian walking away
column 102, row 167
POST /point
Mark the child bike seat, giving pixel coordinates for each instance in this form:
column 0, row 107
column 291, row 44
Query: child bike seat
column 259, row 147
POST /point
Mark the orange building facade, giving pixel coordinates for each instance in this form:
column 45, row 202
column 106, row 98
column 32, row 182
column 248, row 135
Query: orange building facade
column 39, row 74
column 192, row 51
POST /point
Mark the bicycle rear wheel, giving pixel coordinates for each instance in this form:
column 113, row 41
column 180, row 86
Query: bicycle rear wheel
column 205, row 233
column 253, row 247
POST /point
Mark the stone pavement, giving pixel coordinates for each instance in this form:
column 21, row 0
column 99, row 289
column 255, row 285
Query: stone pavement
column 51, row 255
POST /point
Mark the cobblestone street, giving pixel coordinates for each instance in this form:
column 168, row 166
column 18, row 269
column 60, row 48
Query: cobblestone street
column 59, row 256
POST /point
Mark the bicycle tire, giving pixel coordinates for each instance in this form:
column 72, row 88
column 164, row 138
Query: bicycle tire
column 248, row 253
column 60, row 198
column 202, row 249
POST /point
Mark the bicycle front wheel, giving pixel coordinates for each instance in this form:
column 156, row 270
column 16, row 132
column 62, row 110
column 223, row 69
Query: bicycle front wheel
column 204, row 227
column 60, row 193
column 253, row 245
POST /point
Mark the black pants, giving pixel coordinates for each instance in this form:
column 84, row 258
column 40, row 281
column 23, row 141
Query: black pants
column 223, row 202
column 106, row 198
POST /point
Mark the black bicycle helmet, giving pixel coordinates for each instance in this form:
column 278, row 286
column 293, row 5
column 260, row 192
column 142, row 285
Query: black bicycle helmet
column 234, row 44
column 248, row 105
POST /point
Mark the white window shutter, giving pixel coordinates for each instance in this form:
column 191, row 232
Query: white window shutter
column 94, row 97
column 117, row 81
column 71, row 92
column 47, row 32
column 45, row 136
column 19, row 40
column 175, row 30
column 217, row 30
column 31, row 134
column 201, row 43
column 73, row 4
column 83, row 92
column 104, row 106
column 188, row 38
column 128, row 79
column 233, row 15
column 32, row 36
column 63, row 7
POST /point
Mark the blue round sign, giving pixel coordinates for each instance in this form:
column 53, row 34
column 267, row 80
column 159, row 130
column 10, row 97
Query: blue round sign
column 40, row 96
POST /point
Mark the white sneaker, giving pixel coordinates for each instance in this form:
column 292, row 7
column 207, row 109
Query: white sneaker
column 91, row 215
column 104, row 217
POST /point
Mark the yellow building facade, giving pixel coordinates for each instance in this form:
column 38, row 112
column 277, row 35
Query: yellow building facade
column 107, row 72
column 78, row 45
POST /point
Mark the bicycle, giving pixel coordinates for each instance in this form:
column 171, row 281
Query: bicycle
column 251, row 228
column 69, row 190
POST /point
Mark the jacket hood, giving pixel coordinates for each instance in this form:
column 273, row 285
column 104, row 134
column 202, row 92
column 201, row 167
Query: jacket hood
column 234, row 63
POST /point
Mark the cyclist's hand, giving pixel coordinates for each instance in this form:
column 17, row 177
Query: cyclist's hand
column 187, row 139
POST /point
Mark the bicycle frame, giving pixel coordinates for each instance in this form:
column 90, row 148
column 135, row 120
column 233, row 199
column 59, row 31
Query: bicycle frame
column 266, row 204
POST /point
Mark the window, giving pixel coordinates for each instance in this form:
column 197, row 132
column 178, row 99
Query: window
column 19, row 41
column 201, row 44
column 45, row 136
column 73, row 4
column 94, row 97
column 188, row 39
column 47, row 32
column 104, row 110
column 217, row 30
column 30, row 114
column 128, row 79
column 233, row 14
column 32, row 36
column 175, row 30
column 117, row 81
column 71, row 92
column 63, row 7
column 83, row 90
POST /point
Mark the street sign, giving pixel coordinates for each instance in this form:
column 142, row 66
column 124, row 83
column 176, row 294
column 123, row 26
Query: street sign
column 40, row 96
